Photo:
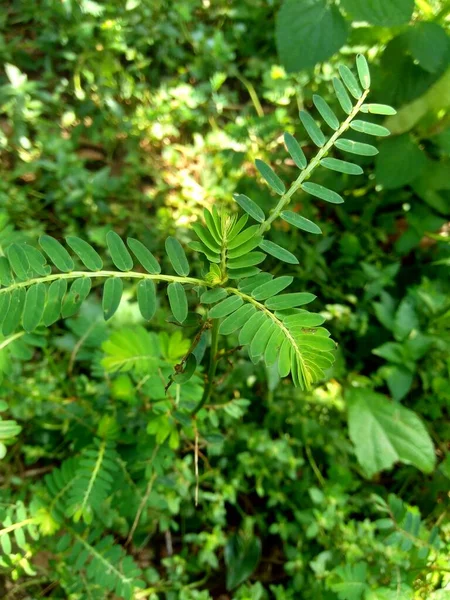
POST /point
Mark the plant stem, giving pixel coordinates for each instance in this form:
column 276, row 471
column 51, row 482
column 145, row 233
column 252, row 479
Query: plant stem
column 212, row 366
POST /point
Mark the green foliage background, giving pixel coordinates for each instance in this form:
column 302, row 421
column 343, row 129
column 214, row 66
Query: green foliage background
column 135, row 116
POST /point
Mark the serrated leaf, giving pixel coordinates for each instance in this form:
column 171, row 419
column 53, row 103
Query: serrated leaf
column 326, row 113
column 322, row 192
column 369, row 128
column 118, row 251
column 211, row 296
column 342, row 96
column 15, row 310
column 237, row 319
column 363, row 71
column 378, row 109
column 144, row 256
column 177, row 256
column 285, row 301
column 55, row 296
column 300, row 222
column 312, row 129
column 34, row 306
column 6, row 276
column 272, row 288
column 18, row 261
column 385, row 432
column 178, row 301
column 350, row 82
column 146, row 296
column 270, row 176
column 79, row 290
column 86, row 253
column 355, row 147
column 112, row 295
column 294, row 149
column 226, row 307
column 342, row 166
column 250, row 207
column 56, row 253
column 278, row 252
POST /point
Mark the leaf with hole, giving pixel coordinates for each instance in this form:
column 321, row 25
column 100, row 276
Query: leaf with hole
column 112, row 295
column 278, row 252
column 86, row 253
column 55, row 295
column 178, row 301
column 294, row 149
column 79, row 290
column 312, row 129
column 300, row 222
column 118, row 251
column 57, row 253
column 250, row 207
column 270, row 176
column 322, row 192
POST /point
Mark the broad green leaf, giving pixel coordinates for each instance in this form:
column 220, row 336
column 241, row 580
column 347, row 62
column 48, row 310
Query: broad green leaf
column 363, row 71
column 250, row 207
column 55, row 295
column 112, row 295
column 326, row 113
column 270, row 176
column 350, row 82
column 118, row 251
column 308, row 32
column 429, row 44
column 300, row 222
column 34, row 306
column 378, row 109
column 79, row 291
column 312, row 129
column 144, row 256
column 250, row 328
column 86, row 253
column 146, row 296
column 56, row 253
column 189, row 370
column 355, row 147
column 369, row 128
column 399, row 162
column 384, row 13
column 285, row 301
column 342, row 166
column 211, row 296
column 342, row 96
column 278, row 252
column 247, row 260
column 272, row 288
column 294, row 149
column 177, row 256
column 237, row 319
column 6, row 276
column 322, row 192
column 178, row 301
column 244, row 237
column 385, row 432
column 14, row 314
column 226, row 307
column 37, row 260
column 18, row 261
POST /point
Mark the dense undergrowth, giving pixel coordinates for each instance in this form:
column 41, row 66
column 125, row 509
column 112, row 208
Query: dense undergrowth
column 135, row 117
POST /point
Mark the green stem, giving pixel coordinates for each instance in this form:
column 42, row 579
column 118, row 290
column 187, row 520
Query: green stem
column 306, row 173
column 212, row 366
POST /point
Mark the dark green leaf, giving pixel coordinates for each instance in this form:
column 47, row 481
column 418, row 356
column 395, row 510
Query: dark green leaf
column 146, row 296
column 55, row 296
column 225, row 307
column 14, row 314
column 34, row 306
column 300, row 222
column 189, row 370
column 247, row 260
column 144, row 256
column 356, row 147
column 86, row 253
column 56, row 253
column 18, row 261
column 79, row 291
column 177, row 256
column 285, row 301
column 350, row 82
column 112, row 295
column 237, row 319
column 211, row 296
column 384, row 13
column 399, row 162
column 322, row 192
column 6, row 276
column 250, row 207
column 369, row 128
column 270, row 176
column 278, row 252
column 271, row 288
column 342, row 166
column 327, row 114
column 295, row 151
column 429, row 44
column 178, row 301
column 313, row 130
column 118, row 251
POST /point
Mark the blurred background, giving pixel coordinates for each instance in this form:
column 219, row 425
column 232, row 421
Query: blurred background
column 136, row 115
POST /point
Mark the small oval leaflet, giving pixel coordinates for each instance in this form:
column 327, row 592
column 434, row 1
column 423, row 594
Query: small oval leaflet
column 326, row 113
column 112, row 295
column 86, row 253
column 322, row 192
column 272, row 288
column 247, row 260
column 370, row 128
column 237, row 319
column 37, row 260
column 144, row 256
column 6, row 277
column 146, row 296
column 270, row 176
column 211, row 296
column 278, row 252
column 78, row 293
column 350, row 81
column 312, row 129
column 342, row 96
column 226, row 307
column 56, row 253
column 356, row 147
column 118, row 251
column 250, row 207
column 14, row 314
column 342, row 166
column 177, row 256
column 363, row 71
column 34, row 306
column 378, row 109
column 55, row 295
column 300, row 222
column 294, row 149
column 18, row 261
column 285, row 301
column 178, row 301
column 189, row 369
